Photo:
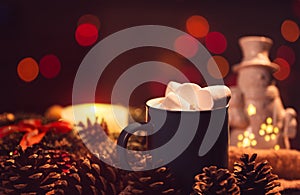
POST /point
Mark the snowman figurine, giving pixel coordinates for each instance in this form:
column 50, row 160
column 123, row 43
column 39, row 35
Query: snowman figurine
column 257, row 117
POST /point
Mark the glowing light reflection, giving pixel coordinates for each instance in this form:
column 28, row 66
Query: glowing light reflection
column 89, row 19
column 222, row 67
column 28, row 69
column 186, row 45
column 284, row 69
column 86, row 34
column 286, row 53
column 216, row 42
column 50, row 66
column 197, row 26
column 290, row 30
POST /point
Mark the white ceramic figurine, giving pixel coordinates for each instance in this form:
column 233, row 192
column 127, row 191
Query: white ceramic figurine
column 257, row 116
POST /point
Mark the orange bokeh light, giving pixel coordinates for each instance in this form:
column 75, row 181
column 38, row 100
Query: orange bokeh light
column 284, row 69
column 197, row 26
column 28, row 69
column 218, row 67
column 290, row 30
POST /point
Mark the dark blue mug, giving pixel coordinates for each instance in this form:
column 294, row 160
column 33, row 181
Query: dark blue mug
column 184, row 141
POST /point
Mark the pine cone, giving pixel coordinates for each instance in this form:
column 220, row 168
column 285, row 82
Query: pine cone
column 9, row 142
column 215, row 181
column 69, row 141
column 92, row 177
column 95, row 138
column 137, row 142
column 255, row 178
column 30, row 171
column 48, row 171
column 157, row 181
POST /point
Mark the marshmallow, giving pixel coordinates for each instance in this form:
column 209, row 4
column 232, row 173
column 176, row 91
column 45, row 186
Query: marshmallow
column 172, row 87
column 174, row 102
column 188, row 91
column 204, row 100
column 221, row 95
column 190, row 96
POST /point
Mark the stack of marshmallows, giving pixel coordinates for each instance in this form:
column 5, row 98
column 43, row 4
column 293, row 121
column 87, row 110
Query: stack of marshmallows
column 190, row 96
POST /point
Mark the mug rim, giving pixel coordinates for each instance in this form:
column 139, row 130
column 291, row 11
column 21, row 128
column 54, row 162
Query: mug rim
column 189, row 111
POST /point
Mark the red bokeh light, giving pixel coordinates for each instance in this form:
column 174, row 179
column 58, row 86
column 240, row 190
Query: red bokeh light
column 286, row 53
column 49, row 66
column 216, row 42
column 231, row 79
column 86, row 34
column 284, row 69
column 89, row 19
column 186, row 46
column 197, row 26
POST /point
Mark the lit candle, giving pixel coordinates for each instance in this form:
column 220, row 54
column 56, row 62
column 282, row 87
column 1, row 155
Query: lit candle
column 116, row 116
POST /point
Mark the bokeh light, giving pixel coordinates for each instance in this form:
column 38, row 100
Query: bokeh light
column 290, row 30
column 276, row 147
column 284, row 69
column 246, row 140
column 216, row 42
column 286, row 53
column 268, row 131
column 86, row 34
column 231, row 79
column 28, row 69
column 251, row 110
column 49, row 66
column 89, row 19
column 219, row 71
column 186, row 46
column 197, row 26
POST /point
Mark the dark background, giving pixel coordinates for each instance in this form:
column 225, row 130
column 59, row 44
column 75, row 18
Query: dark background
column 37, row 28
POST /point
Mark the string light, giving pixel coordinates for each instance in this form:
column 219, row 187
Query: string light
column 276, row 147
column 246, row 140
column 268, row 131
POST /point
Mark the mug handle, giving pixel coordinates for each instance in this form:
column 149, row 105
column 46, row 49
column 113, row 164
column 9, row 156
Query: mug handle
column 124, row 136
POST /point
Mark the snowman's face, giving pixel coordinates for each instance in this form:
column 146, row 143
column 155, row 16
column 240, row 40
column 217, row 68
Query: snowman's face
column 254, row 77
